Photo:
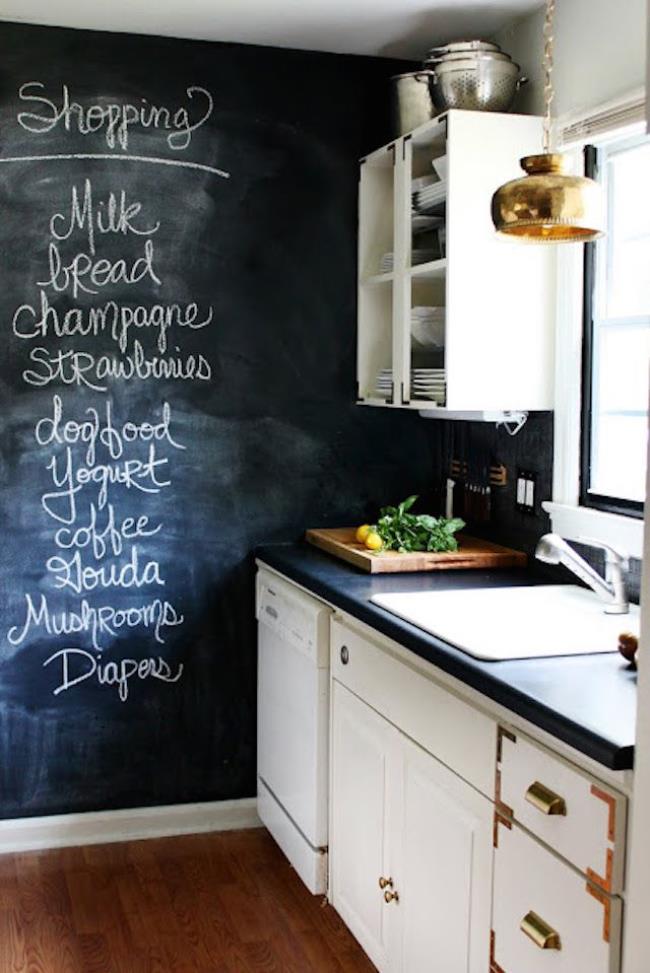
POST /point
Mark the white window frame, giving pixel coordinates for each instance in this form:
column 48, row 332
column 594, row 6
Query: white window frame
column 568, row 517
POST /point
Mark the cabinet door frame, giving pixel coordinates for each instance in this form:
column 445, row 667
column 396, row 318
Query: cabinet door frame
column 379, row 943
column 476, row 812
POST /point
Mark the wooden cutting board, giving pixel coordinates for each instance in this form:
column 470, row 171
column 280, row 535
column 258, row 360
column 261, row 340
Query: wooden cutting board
column 472, row 553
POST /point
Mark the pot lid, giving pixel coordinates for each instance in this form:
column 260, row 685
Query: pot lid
column 469, row 55
column 455, row 46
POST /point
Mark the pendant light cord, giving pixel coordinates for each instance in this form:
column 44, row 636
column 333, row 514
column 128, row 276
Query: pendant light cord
column 549, row 93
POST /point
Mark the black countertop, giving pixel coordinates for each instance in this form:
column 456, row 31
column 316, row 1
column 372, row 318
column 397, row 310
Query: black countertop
column 588, row 702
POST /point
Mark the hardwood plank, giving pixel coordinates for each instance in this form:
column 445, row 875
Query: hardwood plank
column 13, row 946
column 222, row 903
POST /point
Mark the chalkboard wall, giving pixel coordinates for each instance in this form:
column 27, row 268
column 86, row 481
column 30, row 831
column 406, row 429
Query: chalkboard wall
column 178, row 251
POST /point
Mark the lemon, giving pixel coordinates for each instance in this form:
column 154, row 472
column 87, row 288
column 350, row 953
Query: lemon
column 374, row 541
column 362, row 533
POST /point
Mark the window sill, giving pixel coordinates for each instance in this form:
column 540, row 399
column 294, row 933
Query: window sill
column 624, row 534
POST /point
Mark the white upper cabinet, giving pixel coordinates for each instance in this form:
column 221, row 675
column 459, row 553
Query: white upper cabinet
column 451, row 318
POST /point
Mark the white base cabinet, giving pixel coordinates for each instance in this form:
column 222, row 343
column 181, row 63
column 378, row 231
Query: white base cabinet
column 458, row 845
column 404, row 821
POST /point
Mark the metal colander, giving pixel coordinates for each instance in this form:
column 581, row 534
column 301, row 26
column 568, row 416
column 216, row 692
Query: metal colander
column 473, row 77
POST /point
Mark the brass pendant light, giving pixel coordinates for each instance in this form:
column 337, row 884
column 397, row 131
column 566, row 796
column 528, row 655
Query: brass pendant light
column 549, row 205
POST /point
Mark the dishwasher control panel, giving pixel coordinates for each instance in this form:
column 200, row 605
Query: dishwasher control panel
column 298, row 619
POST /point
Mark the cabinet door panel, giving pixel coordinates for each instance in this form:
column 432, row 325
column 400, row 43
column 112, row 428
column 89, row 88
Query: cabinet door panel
column 363, row 748
column 446, row 869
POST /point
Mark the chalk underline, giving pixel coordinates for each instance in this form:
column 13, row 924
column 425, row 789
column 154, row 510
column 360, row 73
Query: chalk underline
column 181, row 163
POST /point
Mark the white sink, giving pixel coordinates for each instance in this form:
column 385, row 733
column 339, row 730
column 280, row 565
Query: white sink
column 514, row 623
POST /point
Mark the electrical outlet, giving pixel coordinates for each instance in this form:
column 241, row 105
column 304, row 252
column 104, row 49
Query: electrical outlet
column 526, row 491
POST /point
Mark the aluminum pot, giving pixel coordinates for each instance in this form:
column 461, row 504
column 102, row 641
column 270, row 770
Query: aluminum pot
column 410, row 102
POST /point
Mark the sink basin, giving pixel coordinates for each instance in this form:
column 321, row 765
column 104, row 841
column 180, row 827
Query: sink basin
column 514, row 623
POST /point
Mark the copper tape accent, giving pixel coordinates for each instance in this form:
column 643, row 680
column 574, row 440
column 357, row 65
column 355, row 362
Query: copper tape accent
column 494, row 966
column 502, row 808
column 610, row 800
column 499, row 819
column 604, row 900
column 606, row 882
column 603, row 883
column 501, row 733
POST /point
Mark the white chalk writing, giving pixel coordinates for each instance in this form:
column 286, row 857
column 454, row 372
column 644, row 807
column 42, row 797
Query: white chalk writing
column 111, row 673
column 114, row 119
column 108, row 562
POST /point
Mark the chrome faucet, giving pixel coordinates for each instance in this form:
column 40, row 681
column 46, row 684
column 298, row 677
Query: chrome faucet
column 552, row 549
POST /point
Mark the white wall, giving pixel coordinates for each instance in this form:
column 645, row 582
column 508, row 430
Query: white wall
column 599, row 52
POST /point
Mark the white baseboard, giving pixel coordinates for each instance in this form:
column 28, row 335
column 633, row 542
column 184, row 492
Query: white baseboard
column 106, row 827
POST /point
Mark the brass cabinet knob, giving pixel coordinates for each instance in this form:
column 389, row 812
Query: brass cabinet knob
column 545, row 800
column 385, row 883
column 391, row 896
column 540, row 932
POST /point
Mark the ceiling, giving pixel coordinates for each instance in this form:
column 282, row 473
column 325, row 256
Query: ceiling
column 391, row 28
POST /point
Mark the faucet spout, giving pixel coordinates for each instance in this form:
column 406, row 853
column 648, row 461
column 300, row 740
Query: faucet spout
column 553, row 549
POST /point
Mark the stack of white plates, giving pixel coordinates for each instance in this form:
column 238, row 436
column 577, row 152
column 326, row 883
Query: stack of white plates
column 427, row 199
column 384, row 385
column 422, row 256
column 429, row 383
column 423, row 182
column 426, row 383
column 386, row 263
column 428, row 327
column 423, row 224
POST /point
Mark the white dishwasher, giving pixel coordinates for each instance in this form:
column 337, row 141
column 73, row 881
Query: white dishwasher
column 293, row 723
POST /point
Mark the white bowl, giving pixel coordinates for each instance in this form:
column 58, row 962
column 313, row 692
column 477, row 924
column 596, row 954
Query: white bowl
column 440, row 166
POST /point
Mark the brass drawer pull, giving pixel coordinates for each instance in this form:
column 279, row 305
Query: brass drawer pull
column 540, row 932
column 391, row 896
column 385, row 883
column 545, row 800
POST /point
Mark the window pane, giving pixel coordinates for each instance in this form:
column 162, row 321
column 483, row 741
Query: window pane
column 621, row 369
column 628, row 237
column 619, row 457
column 620, row 335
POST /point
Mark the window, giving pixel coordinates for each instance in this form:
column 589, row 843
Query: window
column 616, row 336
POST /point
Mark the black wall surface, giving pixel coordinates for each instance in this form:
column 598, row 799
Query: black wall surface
column 127, row 661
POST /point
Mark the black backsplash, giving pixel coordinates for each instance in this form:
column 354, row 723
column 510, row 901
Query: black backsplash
column 480, row 444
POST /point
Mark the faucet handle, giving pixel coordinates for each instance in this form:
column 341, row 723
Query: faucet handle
column 612, row 556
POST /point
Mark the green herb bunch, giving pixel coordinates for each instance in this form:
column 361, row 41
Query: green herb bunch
column 403, row 531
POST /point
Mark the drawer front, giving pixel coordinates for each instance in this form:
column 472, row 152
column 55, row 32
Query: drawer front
column 580, row 818
column 458, row 735
column 546, row 916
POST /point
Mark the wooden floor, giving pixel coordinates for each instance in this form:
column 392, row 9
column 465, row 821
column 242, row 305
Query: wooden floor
column 221, row 903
